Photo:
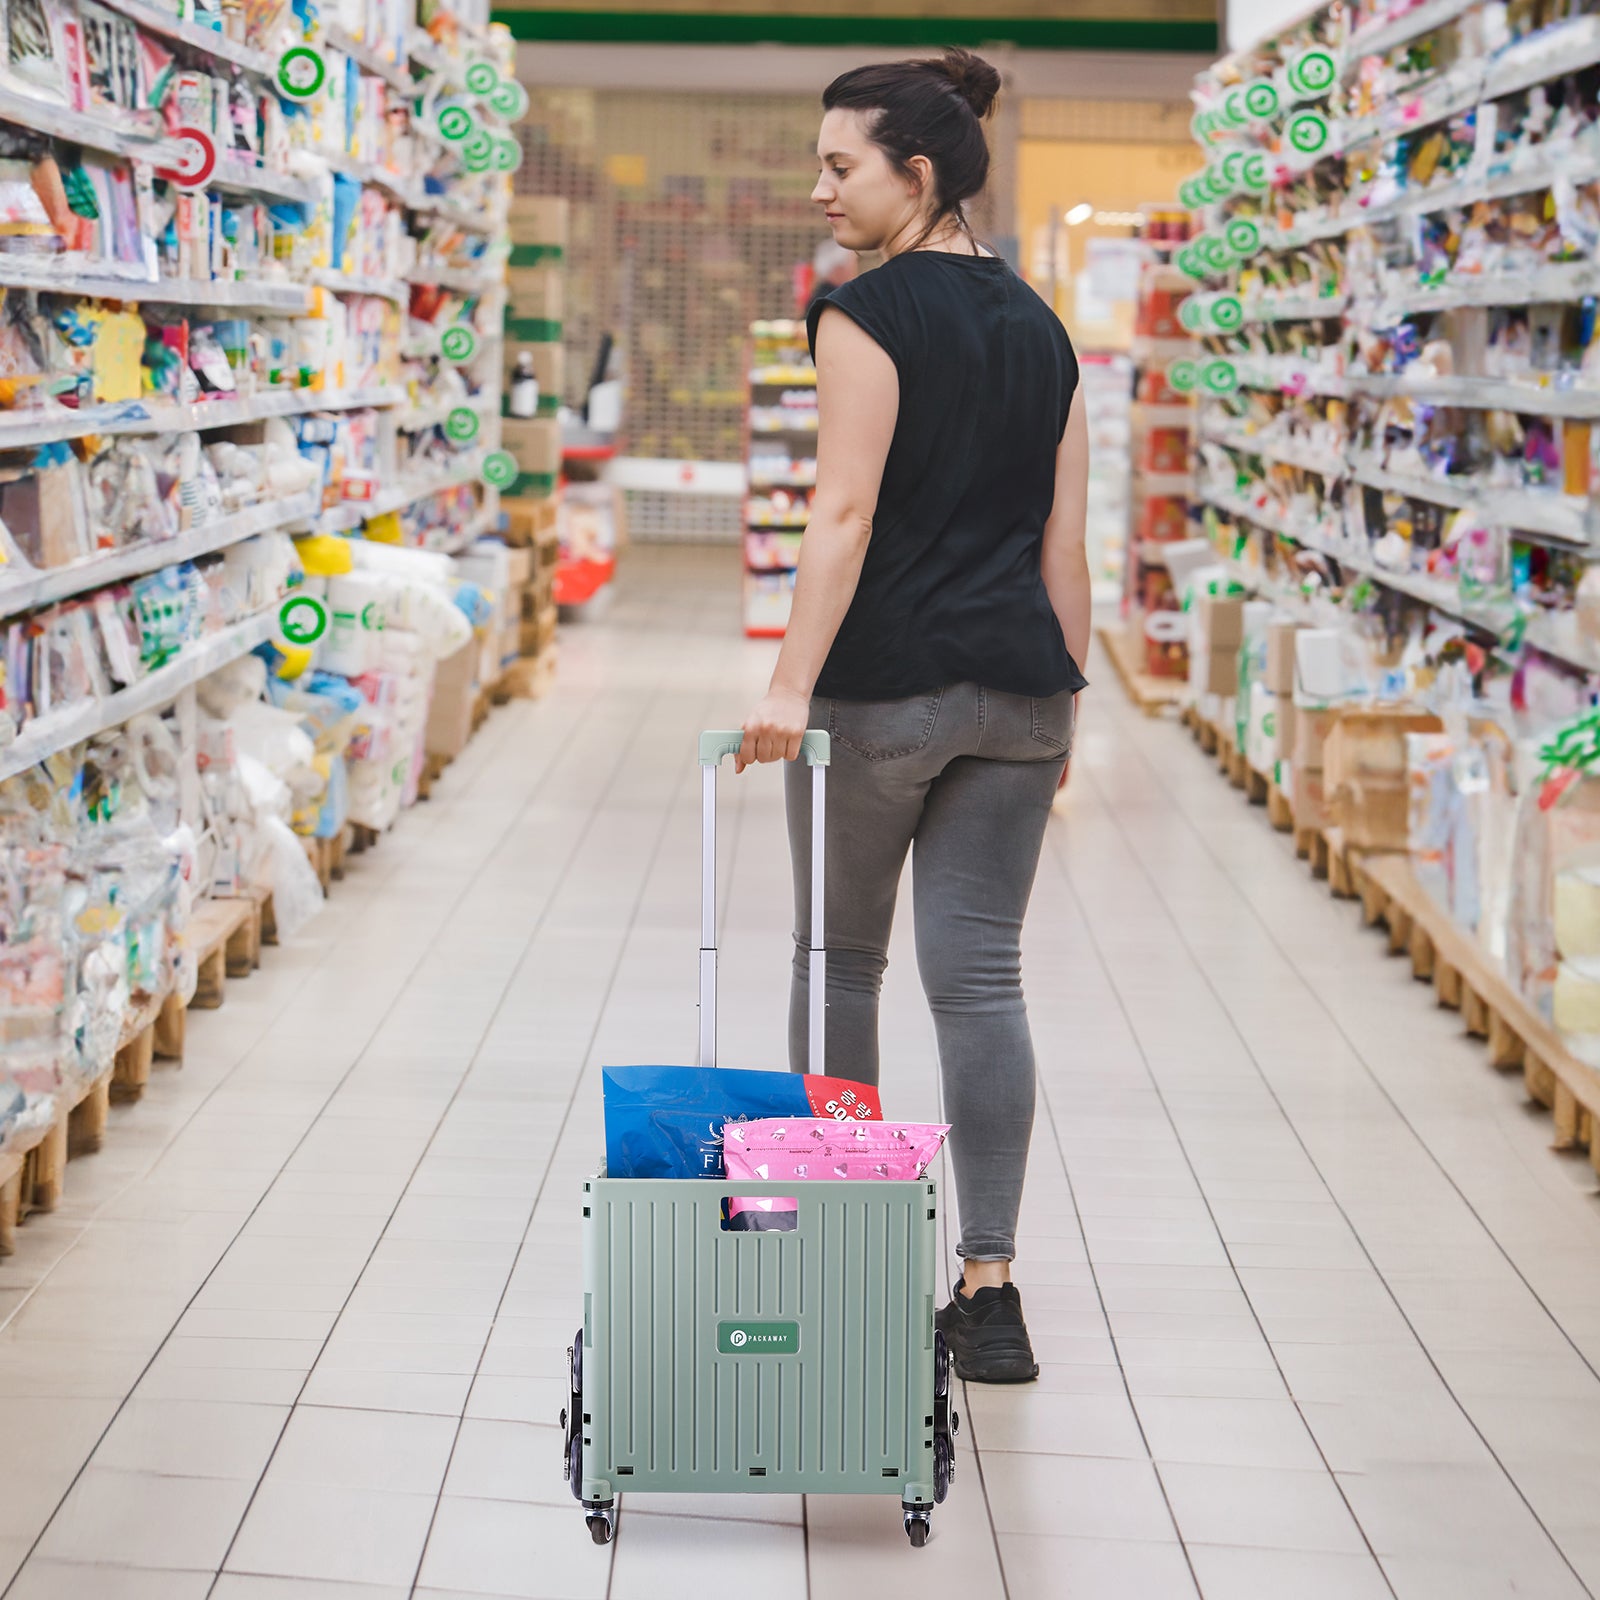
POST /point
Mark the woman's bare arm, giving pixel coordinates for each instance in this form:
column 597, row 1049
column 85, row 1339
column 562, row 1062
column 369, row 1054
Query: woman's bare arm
column 1066, row 561
column 858, row 401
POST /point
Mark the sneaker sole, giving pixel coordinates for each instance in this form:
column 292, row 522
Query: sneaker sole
column 996, row 1364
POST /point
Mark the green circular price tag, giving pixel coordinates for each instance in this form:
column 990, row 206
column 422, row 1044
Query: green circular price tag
column 302, row 619
column 1197, row 126
column 1253, row 174
column 1183, row 377
column 1243, row 235
column 456, row 123
column 1261, row 100
column 1189, row 314
column 1233, row 107
column 1219, row 377
column 476, row 156
column 462, row 425
column 458, row 343
column 1189, row 262
column 507, row 155
column 499, row 469
column 301, row 72
column 483, row 78
column 1186, row 194
column 510, row 100
column 1313, row 72
column 1307, row 133
column 1226, row 313
column 1231, row 164
column 1214, row 252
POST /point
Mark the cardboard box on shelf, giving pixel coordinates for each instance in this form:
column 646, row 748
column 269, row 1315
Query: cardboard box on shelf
column 526, row 522
column 1222, row 671
column 1307, row 797
column 1365, row 776
column 535, row 442
column 539, row 219
column 450, row 711
column 1284, row 741
column 1280, row 655
column 1310, row 734
column 536, row 292
column 1221, row 618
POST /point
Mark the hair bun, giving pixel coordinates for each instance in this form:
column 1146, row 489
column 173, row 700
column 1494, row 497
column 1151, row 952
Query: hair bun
column 975, row 80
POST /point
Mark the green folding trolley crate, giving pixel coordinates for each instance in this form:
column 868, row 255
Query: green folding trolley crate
column 798, row 1362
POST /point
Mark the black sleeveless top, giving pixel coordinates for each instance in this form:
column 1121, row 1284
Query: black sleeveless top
column 951, row 590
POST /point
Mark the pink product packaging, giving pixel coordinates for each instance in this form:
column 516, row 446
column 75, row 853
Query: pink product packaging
column 775, row 1149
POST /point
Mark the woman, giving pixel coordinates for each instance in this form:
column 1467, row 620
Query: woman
column 941, row 606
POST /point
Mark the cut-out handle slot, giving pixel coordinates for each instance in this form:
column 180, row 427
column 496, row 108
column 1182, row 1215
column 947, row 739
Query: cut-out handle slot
column 760, row 1213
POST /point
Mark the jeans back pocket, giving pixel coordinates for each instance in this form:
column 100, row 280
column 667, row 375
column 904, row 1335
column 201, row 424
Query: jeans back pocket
column 883, row 730
column 1053, row 718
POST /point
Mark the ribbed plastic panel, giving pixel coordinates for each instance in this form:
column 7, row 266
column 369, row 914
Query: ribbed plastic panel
column 797, row 1362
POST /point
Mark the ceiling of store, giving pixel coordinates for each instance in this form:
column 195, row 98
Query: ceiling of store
column 1122, row 25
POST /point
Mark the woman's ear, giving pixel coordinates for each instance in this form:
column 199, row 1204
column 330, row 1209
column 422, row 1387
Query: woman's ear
column 921, row 175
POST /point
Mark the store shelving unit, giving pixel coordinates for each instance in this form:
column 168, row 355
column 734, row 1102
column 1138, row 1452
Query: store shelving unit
column 781, row 447
column 1378, row 291
column 476, row 204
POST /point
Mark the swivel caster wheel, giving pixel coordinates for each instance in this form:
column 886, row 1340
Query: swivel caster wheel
column 602, row 1522
column 572, row 1422
column 946, row 1423
column 919, row 1523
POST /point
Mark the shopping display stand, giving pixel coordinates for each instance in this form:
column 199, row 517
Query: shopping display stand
column 410, row 301
column 781, row 467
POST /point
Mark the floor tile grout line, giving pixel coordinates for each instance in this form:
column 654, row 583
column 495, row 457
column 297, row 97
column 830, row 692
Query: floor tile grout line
column 465, row 891
column 577, row 1084
column 1299, row 1139
column 1378, row 1084
column 1166, row 1111
column 1052, row 837
column 555, row 889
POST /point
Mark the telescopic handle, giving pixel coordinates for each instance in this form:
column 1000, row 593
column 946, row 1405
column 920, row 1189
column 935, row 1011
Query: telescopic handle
column 714, row 747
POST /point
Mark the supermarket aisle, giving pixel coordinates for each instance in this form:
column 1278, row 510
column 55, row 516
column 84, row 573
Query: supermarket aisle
column 1319, row 1311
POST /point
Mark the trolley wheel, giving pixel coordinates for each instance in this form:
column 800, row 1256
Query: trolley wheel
column 600, row 1526
column 572, row 1420
column 917, row 1528
column 944, row 1467
column 573, row 1465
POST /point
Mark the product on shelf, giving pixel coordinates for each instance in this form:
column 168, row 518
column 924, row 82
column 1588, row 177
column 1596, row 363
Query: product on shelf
column 251, row 282
column 781, row 470
column 1395, row 289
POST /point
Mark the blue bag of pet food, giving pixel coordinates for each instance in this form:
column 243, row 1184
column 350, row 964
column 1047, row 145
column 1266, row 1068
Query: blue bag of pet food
column 666, row 1122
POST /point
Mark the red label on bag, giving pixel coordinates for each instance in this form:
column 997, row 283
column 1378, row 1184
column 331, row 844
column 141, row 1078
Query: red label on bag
column 842, row 1100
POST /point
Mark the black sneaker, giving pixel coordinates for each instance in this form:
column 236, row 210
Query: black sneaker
column 988, row 1338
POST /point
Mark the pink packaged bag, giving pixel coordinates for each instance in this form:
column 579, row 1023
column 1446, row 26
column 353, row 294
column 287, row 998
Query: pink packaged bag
column 774, row 1149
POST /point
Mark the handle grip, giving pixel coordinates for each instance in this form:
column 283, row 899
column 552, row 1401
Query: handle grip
column 717, row 744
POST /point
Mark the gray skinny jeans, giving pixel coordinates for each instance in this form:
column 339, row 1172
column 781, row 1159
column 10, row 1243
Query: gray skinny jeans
column 964, row 777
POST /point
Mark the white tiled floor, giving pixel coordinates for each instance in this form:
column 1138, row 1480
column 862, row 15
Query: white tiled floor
column 1318, row 1309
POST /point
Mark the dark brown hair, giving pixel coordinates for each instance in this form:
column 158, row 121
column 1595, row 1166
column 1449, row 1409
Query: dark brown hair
column 927, row 108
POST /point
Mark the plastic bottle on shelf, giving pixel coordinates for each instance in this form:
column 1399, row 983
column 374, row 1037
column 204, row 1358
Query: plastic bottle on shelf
column 522, row 397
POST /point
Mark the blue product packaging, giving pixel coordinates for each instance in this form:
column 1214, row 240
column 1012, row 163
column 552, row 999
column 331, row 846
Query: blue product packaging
column 666, row 1122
